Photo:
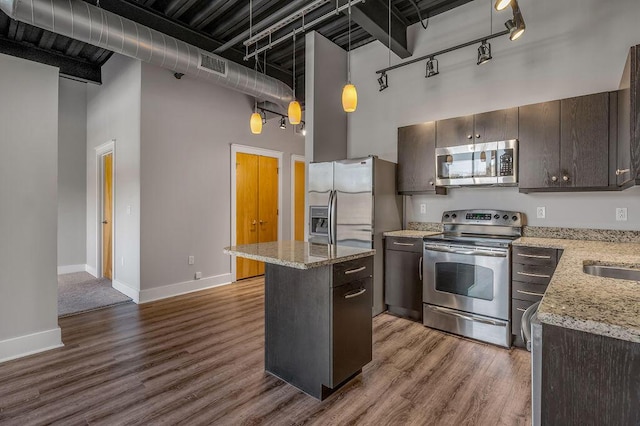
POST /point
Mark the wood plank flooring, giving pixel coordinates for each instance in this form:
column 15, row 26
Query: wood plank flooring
column 198, row 359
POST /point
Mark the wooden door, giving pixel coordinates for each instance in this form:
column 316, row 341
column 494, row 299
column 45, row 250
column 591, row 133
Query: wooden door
column 584, row 141
column 246, row 211
column 539, row 145
column 416, row 158
column 107, row 216
column 494, row 126
column 454, row 131
column 267, row 202
column 298, row 200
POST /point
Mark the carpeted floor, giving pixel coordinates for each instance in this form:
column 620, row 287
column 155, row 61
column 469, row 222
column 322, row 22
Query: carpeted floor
column 81, row 291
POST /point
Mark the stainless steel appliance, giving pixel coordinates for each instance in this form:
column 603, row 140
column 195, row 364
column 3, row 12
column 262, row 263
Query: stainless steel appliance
column 467, row 274
column 531, row 330
column 357, row 201
column 492, row 163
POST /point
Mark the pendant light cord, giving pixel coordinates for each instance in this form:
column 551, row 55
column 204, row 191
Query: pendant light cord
column 294, row 65
column 349, row 52
column 389, row 32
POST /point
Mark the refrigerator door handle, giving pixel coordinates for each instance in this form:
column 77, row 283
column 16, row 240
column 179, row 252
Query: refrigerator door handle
column 333, row 211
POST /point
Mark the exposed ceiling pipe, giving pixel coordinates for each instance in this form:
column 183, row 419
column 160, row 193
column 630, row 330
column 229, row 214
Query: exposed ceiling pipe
column 90, row 24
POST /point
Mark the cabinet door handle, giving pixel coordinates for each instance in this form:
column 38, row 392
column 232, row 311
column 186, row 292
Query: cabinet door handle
column 478, row 136
column 530, row 293
column 554, row 178
column 431, row 182
column 355, row 293
column 622, row 171
column 403, row 244
column 535, row 256
column 526, row 274
column 353, row 271
column 565, row 178
column 521, row 310
column 420, row 268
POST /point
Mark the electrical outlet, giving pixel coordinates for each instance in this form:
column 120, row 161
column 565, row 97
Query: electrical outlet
column 122, row 261
column 198, row 275
column 192, row 260
column 541, row 212
column 423, row 208
column 621, row 214
column 128, row 209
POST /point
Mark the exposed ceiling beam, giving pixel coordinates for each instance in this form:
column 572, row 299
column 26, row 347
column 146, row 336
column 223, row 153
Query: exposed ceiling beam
column 373, row 17
column 166, row 25
column 73, row 68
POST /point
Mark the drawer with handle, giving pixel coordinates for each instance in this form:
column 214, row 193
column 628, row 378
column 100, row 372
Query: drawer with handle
column 528, row 291
column 352, row 270
column 541, row 256
column 517, row 309
column 532, row 273
column 403, row 244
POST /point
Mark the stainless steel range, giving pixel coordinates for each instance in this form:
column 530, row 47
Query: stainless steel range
column 467, row 274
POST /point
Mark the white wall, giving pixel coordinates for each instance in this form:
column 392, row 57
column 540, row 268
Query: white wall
column 72, row 174
column 187, row 128
column 113, row 112
column 570, row 48
column 28, row 207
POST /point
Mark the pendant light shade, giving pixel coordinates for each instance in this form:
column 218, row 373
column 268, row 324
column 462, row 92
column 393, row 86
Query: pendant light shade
column 501, row 4
column 256, row 123
column 294, row 112
column 349, row 98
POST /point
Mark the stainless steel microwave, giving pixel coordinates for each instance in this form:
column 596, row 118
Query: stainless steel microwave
column 491, row 163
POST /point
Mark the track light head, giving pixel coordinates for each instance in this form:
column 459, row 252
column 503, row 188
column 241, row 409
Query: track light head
column 484, row 52
column 383, row 81
column 501, row 4
column 516, row 25
column 283, row 123
column 303, row 129
column 263, row 114
column 432, row 67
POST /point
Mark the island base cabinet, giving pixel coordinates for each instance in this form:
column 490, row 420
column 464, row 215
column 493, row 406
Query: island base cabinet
column 318, row 328
column 588, row 379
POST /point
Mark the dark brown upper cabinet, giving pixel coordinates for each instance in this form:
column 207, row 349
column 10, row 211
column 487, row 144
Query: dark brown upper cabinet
column 416, row 159
column 479, row 128
column 628, row 148
column 564, row 145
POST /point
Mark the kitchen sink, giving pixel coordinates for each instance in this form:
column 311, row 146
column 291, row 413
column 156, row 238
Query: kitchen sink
column 612, row 271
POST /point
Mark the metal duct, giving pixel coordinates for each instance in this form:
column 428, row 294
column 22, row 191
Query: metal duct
column 84, row 22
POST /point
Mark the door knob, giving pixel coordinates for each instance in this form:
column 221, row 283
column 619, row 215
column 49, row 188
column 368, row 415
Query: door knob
column 104, row 222
column 254, row 222
column 262, row 222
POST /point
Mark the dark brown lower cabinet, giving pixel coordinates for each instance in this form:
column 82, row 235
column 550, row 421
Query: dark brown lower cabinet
column 588, row 379
column 403, row 276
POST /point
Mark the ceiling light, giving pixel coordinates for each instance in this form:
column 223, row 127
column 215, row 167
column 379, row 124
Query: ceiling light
column 432, row 67
column 484, row 52
column 294, row 112
column 283, row 123
column 516, row 25
column 383, row 81
column 502, row 4
column 256, row 123
column 349, row 92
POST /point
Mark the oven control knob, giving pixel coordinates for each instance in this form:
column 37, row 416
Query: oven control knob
column 446, row 216
column 496, row 216
column 505, row 217
column 453, row 216
column 514, row 217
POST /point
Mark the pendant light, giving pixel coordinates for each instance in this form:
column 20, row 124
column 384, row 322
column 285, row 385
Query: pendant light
column 294, row 112
column 255, row 122
column 349, row 93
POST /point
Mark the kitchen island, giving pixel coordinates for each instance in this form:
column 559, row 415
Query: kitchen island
column 318, row 299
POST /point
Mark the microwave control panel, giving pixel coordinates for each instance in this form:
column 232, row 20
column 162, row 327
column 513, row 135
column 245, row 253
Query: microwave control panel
column 506, row 164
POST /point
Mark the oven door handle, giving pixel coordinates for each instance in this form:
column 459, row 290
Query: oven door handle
column 466, row 252
column 468, row 317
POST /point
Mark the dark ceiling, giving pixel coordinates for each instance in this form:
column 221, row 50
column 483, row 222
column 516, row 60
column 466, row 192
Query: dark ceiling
column 221, row 26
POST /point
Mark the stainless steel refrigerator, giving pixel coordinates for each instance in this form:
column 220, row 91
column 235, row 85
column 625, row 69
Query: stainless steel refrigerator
column 351, row 203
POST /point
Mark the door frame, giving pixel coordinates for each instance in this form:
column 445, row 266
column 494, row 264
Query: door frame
column 235, row 149
column 294, row 158
column 102, row 150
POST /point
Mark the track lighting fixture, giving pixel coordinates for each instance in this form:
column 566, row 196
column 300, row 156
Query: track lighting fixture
column 516, row 25
column 432, row 67
column 283, row 123
column 501, row 4
column 383, row 81
column 484, row 52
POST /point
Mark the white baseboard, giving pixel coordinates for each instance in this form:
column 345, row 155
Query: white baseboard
column 177, row 289
column 30, row 344
column 90, row 269
column 69, row 269
column 126, row 290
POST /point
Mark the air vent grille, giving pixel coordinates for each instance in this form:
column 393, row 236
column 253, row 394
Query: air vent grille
column 213, row 64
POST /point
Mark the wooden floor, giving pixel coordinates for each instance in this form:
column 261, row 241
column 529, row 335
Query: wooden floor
column 198, row 359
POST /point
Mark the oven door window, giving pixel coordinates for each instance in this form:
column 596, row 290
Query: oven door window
column 464, row 279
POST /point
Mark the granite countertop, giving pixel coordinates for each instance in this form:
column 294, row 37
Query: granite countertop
column 409, row 233
column 579, row 301
column 298, row 254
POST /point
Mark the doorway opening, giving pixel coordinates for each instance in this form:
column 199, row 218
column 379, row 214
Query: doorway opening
column 256, row 203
